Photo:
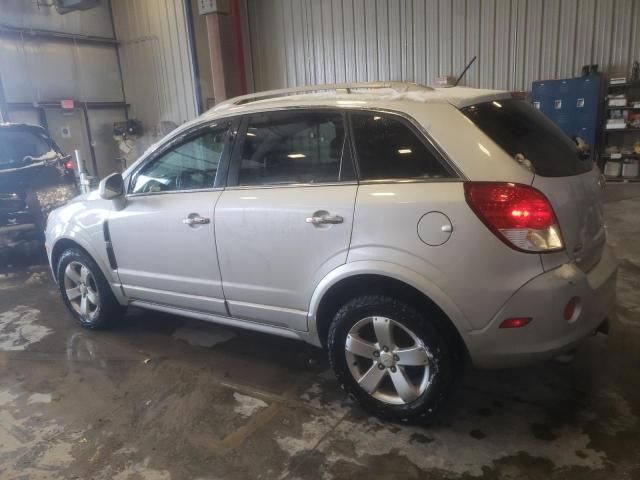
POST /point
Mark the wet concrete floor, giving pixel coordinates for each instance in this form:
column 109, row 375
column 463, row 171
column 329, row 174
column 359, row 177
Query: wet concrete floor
column 161, row 397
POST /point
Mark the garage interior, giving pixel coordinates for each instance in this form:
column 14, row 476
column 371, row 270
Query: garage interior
column 162, row 397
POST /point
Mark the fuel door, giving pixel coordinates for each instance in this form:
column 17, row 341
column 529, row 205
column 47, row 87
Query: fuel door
column 434, row 228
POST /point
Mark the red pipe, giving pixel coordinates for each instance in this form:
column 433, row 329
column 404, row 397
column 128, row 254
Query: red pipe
column 237, row 26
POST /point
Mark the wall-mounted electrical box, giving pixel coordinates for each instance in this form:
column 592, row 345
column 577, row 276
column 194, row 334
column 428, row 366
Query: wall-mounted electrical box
column 213, row 6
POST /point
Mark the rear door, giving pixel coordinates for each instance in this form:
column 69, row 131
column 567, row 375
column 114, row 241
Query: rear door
column 567, row 177
column 285, row 219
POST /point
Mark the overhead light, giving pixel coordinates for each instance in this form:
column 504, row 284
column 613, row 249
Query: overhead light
column 377, row 117
column 250, row 134
column 296, row 155
column 404, row 151
column 499, row 105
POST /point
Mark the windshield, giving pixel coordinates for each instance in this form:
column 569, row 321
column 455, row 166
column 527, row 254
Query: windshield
column 526, row 133
column 16, row 144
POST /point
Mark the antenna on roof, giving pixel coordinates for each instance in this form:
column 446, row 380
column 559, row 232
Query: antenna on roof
column 465, row 70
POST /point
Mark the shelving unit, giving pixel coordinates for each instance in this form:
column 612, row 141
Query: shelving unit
column 624, row 138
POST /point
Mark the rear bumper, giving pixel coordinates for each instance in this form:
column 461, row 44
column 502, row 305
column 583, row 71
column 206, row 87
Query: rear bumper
column 544, row 299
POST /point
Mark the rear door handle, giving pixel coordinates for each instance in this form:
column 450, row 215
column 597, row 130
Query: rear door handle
column 195, row 219
column 325, row 219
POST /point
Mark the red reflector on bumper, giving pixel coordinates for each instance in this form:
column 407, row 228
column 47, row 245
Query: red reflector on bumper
column 515, row 322
column 570, row 308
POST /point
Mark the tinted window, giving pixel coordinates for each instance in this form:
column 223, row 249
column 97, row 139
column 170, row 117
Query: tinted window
column 296, row 147
column 190, row 166
column 18, row 147
column 388, row 148
column 519, row 128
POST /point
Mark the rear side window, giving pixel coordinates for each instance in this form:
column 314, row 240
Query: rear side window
column 292, row 147
column 518, row 128
column 18, row 147
column 387, row 148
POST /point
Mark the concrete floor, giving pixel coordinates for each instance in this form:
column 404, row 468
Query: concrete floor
column 161, row 397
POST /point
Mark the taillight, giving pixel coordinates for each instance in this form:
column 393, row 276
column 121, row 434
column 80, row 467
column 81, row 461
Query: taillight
column 519, row 215
column 68, row 165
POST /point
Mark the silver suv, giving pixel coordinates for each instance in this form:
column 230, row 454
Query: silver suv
column 403, row 228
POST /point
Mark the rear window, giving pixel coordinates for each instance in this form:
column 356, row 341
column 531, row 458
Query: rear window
column 16, row 145
column 519, row 128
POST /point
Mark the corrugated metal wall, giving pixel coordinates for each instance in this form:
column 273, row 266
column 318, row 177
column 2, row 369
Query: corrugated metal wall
column 155, row 59
column 40, row 69
column 297, row 42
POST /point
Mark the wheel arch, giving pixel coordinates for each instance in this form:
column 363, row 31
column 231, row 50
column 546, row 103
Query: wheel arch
column 347, row 282
column 64, row 243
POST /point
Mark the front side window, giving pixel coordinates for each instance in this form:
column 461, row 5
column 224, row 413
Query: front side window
column 387, row 148
column 292, row 147
column 190, row 166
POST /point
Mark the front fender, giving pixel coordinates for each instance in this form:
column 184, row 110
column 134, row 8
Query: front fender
column 83, row 227
column 386, row 269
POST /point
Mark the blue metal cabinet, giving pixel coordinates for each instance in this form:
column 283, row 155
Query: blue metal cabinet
column 572, row 103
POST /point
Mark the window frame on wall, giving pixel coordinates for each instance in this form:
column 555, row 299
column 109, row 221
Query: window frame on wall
column 184, row 138
column 454, row 174
column 346, row 170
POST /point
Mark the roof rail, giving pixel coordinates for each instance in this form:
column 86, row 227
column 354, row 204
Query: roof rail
column 400, row 87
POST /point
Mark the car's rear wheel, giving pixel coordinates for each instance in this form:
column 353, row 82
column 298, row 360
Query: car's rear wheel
column 394, row 361
column 85, row 291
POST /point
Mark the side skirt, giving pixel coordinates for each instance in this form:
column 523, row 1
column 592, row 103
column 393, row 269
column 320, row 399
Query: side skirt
column 229, row 321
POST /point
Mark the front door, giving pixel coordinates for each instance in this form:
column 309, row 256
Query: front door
column 163, row 238
column 285, row 219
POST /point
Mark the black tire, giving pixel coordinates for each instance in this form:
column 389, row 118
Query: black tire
column 108, row 310
column 442, row 368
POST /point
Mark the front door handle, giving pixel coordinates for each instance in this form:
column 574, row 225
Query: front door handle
column 195, row 219
column 325, row 219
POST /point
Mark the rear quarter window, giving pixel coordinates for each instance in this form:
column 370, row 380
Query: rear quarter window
column 518, row 128
column 388, row 148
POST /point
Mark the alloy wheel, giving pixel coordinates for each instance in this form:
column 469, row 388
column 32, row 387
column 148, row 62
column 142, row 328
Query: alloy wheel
column 81, row 290
column 388, row 360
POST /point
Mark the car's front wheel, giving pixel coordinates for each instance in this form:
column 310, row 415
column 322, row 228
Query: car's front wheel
column 85, row 290
column 389, row 357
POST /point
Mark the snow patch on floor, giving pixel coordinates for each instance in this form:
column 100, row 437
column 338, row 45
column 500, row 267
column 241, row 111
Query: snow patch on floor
column 206, row 336
column 247, row 405
column 6, row 397
column 39, row 398
column 138, row 471
column 452, row 448
column 18, row 328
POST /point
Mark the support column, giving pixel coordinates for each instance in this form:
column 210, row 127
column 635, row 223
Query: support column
column 214, row 35
column 226, row 50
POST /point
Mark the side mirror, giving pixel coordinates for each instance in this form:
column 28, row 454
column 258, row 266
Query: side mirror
column 112, row 187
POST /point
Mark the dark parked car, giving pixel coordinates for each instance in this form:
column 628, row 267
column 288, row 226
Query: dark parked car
column 35, row 178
